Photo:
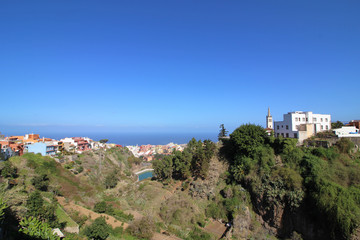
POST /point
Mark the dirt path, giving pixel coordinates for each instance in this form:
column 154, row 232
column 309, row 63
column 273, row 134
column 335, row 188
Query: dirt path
column 160, row 236
column 215, row 228
column 137, row 215
column 71, row 206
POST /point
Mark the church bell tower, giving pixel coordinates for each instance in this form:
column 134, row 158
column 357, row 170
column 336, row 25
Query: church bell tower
column 269, row 120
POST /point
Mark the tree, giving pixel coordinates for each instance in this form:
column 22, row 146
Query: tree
column 9, row 171
column 41, row 182
column 181, row 164
column 35, row 204
column 143, row 228
column 344, row 145
column 100, row 207
column 36, row 208
column 336, row 124
column 209, row 148
column 35, row 229
column 223, row 132
column 200, row 164
column 3, row 206
column 248, row 138
column 111, row 180
column 98, row 230
column 104, row 140
column 163, row 169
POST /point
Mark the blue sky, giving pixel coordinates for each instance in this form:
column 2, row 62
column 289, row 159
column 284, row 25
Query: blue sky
column 175, row 65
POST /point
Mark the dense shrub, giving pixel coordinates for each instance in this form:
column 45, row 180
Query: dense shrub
column 194, row 161
column 198, row 234
column 8, row 170
column 37, row 208
column 41, row 182
column 247, row 138
column 143, row 229
column 111, row 179
column 98, row 230
column 344, row 145
column 100, row 207
column 216, row 211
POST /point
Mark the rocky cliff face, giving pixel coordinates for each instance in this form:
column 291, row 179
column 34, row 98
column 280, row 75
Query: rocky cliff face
column 282, row 221
column 242, row 225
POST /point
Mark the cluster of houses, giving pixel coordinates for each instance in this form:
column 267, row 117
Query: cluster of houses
column 32, row 143
column 147, row 152
column 298, row 124
column 303, row 125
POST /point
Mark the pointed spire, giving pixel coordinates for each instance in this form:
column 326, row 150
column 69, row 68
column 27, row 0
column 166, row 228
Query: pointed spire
column 269, row 112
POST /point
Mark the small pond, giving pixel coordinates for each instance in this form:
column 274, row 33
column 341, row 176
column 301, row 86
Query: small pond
column 145, row 175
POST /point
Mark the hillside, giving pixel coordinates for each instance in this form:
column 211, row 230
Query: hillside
column 264, row 187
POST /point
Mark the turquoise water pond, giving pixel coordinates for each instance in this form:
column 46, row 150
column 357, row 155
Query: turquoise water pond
column 145, row 175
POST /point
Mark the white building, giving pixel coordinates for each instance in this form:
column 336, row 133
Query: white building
column 347, row 131
column 302, row 125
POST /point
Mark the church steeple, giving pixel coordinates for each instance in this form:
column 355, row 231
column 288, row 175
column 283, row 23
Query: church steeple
column 269, row 120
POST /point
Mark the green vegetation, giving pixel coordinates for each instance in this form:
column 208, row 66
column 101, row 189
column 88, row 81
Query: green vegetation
column 34, row 229
column 111, row 179
column 41, row 182
column 8, row 170
column 336, row 124
column 3, row 206
column 327, row 177
column 64, row 218
column 98, row 230
column 192, row 162
column 103, row 207
column 198, row 234
column 223, row 132
column 143, row 228
column 45, row 212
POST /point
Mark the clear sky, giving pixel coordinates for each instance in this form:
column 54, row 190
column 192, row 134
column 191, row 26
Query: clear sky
column 179, row 65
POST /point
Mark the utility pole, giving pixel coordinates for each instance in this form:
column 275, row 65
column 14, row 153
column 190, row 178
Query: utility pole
column 101, row 155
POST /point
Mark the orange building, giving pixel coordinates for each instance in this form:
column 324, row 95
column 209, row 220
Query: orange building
column 355, row 123
column 18, row 148
column 31, row 138
column 16, row 138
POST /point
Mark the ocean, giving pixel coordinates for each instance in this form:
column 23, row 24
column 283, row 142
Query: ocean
column 127, row 139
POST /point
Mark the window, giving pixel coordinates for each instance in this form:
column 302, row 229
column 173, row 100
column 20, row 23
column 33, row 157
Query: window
column 303, row 119
column 307, row 119
column 314, row 119
column 327, row 127
column 278, row 134
column 282, row 134
column 295, row 135
column 321, row 119
column 322, row 127
column 282, row 126
column 326, row 119
column 295, row 119
column 287, row 126
column 287, row 135
column 277, row 127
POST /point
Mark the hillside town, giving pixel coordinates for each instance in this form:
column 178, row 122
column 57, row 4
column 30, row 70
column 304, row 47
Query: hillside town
column 298, row 124
column 33, row 143
column 147, row 152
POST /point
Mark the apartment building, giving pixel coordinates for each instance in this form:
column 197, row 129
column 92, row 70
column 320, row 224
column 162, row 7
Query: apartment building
column 302, row 125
